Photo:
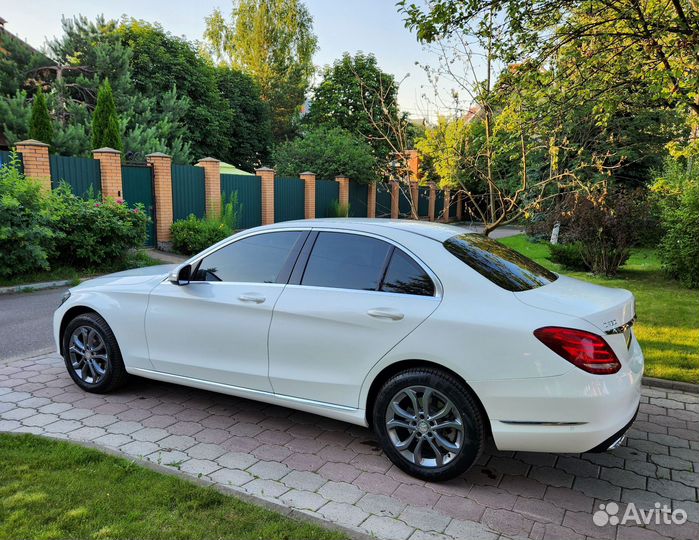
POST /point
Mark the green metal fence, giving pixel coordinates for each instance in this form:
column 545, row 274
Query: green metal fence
column 439, row 204
column 289, row 197
column 404, row 206
column 82, row 174
column 327, row 193
column 137, row 185
column 249, row 191
column 6, row 157
column 358, row 194
column 423, row 202
column 383, row 200
column 188, row 196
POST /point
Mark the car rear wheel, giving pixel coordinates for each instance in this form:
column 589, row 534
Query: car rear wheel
column 92, row 355
column 429, row 424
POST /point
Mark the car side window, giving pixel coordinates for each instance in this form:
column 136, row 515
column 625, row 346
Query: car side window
column 346, row 261
column 255, row 259
column 405, row 276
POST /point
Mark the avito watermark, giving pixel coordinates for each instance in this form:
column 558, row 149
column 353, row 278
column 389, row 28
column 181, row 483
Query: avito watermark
column 660, row 514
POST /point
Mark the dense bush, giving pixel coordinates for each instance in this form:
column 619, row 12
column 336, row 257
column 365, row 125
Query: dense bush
column 605, row 225
column 90, row 233
column 328, row 152
column 569, row 256
column 25, row 236
column 192, row 235
column 678, row 197
column 39, row 231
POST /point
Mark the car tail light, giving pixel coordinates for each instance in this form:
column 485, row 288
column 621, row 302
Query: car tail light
column 585, row 350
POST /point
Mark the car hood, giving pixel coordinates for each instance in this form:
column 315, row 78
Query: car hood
column 605, row 307
column 135, row 276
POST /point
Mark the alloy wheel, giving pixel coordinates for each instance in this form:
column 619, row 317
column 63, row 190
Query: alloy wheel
column 425, row 426
column 88, row 354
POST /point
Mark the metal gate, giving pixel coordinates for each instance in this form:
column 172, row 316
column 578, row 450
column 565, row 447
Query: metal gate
column 137, row 183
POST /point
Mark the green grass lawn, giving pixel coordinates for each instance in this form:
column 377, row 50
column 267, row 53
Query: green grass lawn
column 135, row 259
column 668, row 314
column 51, row 489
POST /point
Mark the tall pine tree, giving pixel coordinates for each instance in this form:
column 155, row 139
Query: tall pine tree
column 40, row 125
column 105, row 122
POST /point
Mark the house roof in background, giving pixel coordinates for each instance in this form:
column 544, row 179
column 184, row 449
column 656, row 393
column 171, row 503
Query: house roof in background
column 227, row 168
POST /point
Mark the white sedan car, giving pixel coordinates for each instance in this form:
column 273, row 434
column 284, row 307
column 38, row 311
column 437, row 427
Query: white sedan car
column 434, row 337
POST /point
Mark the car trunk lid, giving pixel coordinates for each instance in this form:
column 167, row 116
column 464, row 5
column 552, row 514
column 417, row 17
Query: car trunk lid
column 610, row 310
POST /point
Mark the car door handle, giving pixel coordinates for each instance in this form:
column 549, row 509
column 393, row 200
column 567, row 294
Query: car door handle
column 384, row 313
column 252, row 297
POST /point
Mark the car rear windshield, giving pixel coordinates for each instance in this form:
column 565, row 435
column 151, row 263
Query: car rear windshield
column 499, row 264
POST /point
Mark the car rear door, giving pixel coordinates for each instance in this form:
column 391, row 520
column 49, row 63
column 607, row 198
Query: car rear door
column 215, row 328
column 351, row 299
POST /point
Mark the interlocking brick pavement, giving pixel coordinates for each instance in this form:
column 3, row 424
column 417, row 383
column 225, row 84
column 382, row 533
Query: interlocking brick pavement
column 334, row 471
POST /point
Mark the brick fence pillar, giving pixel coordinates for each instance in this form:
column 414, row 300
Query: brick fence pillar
column 110, row 172
column 414, row 198
column 395, row 201
column 35, row 158
column 309, row 191
column 212, row 185
column 371, row 201
column 344, row 189
column 447, row 202
column 433, row 201
column 267, row 179
column 162, row 186
column 459, row 206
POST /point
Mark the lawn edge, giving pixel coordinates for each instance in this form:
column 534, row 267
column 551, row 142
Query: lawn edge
column 230, row 491
column 669, row 384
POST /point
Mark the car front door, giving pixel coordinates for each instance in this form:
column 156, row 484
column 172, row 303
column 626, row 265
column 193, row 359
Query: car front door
column 215, row 328
column 353, row 300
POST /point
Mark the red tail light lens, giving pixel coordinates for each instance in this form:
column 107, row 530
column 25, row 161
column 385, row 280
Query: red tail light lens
column 585, row 350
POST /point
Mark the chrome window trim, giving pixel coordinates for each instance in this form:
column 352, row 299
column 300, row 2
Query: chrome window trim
column 438, row 289
column 231, row 240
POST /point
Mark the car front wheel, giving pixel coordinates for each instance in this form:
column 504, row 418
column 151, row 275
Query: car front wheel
column 429, row 424
column 92, row 355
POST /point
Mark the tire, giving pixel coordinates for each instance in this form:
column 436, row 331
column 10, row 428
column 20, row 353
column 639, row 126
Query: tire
column 102, row 349
column 458, row 435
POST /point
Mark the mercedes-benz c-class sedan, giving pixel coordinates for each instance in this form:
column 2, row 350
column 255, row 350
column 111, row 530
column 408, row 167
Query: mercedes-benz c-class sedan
column 434, row 337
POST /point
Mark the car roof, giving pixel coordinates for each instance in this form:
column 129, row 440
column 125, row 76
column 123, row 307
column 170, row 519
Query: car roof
column 435, row 231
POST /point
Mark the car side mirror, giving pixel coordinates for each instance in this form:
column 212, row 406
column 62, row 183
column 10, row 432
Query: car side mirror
column 181, row 275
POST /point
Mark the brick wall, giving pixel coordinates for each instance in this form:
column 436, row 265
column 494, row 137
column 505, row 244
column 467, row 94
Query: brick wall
column 35, row 158
column 110, row 171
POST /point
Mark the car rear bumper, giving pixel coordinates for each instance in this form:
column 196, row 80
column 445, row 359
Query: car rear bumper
column 574, row 412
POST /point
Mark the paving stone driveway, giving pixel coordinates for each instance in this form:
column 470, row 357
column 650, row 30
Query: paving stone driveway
column 335, row 471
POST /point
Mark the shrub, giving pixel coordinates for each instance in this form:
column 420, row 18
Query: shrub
column 338, row 209
column 25, row 236
column 678, row 197
column 230, row 211
column 327, row 153
column 569, row 256
column 90, row 233
column 192, row 235
column 606, row 225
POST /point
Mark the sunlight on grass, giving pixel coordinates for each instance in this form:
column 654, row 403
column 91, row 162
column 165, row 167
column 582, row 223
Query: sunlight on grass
column 668, row 314
column 57, row 490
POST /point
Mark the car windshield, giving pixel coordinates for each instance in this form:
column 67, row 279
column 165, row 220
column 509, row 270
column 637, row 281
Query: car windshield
column 501, row 265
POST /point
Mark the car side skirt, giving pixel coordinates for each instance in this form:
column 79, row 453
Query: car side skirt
column 329, row 410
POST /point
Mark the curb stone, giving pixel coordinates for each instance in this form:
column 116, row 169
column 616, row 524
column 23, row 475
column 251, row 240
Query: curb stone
column 671, row 385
